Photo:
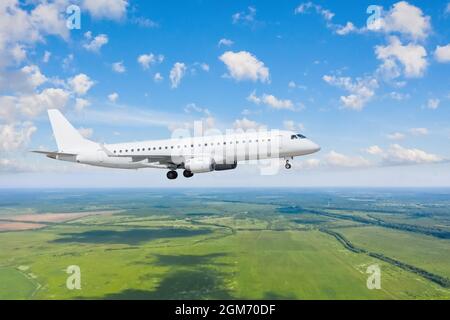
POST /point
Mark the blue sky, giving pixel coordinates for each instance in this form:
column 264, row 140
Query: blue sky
column 376, row 97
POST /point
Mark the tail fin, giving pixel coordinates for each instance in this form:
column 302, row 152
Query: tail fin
column 67, row 137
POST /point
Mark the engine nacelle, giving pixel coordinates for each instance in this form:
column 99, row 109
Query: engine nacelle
column 91, row 157
column 199, row 165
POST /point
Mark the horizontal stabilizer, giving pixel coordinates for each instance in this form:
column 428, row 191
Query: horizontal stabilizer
column 52, row 154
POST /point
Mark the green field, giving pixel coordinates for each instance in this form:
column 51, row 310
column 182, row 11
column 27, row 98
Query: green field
column 180, row 246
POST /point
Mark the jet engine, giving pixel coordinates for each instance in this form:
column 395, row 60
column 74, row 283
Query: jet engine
column 199, row 165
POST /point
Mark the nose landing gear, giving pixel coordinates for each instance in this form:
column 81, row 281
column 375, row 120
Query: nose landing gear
column 287, row 165
column 172, row 174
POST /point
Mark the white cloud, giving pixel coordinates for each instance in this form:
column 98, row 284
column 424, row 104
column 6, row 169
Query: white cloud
column 177, row 73
column 395, row 136
column 144, row 22
column 442, row 54
column 307, row 6
column 244, row 16
column 118, row 67
column 96, row 43
column 108, row 9
column 81, row 104
column 293, row 126
column 46, row 57
column 113, row 97
column 158, row 77
column 245, row 66
column 433, row 103
column 225, row 42
column 418, row 131
column 34, row 77
column 271, row 101
column 374, row 150
column 361, row 90
column 403, row 18
column 348, row 28
column 81, row 84
column 15, row 136
column 50, row 98
column 397, row 155
column 192, row 107
column 86, row 132
column 399, row 96
column 21, row 27
column 205, row 67
column 336, row 159
column 246, row 124
column 412, row 57
column 146, row 60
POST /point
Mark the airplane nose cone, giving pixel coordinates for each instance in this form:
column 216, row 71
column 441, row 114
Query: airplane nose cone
column 314, row 147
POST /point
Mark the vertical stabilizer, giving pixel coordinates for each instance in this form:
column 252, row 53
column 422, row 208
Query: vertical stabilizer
column 67, row 137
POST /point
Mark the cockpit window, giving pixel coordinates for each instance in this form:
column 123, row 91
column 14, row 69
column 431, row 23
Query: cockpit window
column 301, row 136
column 294, row 137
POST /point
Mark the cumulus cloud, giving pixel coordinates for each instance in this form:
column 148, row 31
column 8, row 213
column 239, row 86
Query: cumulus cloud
column 293, row 126
column 243, row 65
column 177, row 73
column 398, row 155
column 107, row 9
column 336, row 159
column 309, row 6
column 16, row 135
column 118, row 67
column 442, row 54
column 86, row 132
column 396, row 136
column 412, row 58
column 246, row 124
column 361, row 90
column 348, row 28
column 148, row 59
column 20, row 27
column 81, row 84
column 81, row 104
column 113, row 97
column 246, row 17
column 271, row 101
column 158, row 77
column 96, row 43
column 405, row 19
column 225, row 42
column 374, row 150
column 418, row 131
column 433, row 103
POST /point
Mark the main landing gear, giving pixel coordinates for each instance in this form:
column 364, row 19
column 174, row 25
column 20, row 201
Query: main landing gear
column 172, row 174
column 287, row 165
column 187, row 173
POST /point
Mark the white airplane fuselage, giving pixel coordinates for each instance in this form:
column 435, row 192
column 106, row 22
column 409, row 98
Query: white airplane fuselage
column 193, row 154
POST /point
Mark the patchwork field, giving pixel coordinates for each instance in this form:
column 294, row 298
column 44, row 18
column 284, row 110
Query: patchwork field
column 252, row 244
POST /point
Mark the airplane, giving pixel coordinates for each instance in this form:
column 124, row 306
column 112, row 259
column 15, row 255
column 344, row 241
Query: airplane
column 193, row 154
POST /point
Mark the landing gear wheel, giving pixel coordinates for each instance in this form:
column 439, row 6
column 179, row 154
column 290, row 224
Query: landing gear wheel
column 187, row 173
column 287, row 165
column 172, row 175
